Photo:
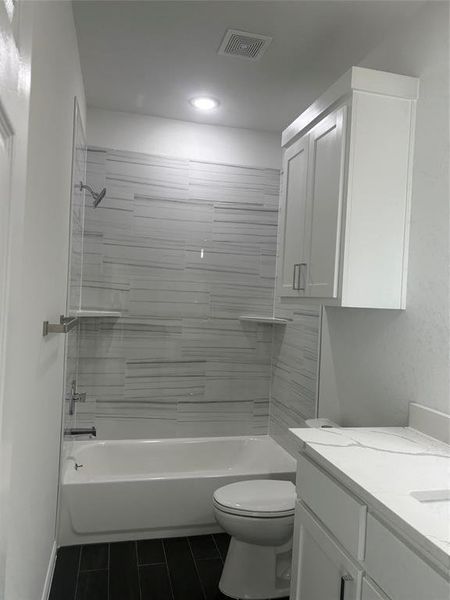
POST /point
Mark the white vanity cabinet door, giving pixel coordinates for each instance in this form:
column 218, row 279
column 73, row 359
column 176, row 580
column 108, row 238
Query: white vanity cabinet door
column 291, row 277
column 321, row 570
column 341, row 513
column 397, row 569
column 324, row 208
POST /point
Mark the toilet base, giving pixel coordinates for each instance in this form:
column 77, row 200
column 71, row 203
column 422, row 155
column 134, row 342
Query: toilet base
column 254, row 572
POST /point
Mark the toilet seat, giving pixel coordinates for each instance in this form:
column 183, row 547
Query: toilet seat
column 262, row 498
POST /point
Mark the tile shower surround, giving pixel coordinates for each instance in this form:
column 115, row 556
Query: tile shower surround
column 183, row 249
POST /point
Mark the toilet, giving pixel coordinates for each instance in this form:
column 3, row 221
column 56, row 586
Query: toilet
column 259, row 516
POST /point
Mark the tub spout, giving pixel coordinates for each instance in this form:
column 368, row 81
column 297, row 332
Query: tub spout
column 80, row 431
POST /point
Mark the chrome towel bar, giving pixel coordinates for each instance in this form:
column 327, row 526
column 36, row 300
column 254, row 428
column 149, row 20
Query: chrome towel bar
column 65, row 325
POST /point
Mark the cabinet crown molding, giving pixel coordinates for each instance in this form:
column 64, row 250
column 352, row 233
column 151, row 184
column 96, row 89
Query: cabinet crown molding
column 355, row 79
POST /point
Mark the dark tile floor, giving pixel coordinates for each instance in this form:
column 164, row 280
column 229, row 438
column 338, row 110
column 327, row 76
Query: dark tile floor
column 169, row 569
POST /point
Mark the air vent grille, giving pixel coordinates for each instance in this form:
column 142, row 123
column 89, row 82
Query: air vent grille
column 250, row 46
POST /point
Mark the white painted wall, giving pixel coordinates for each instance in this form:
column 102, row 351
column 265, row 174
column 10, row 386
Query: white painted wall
column 15, row 100
column 182, row 139
column 375, row 362
column 34, row 381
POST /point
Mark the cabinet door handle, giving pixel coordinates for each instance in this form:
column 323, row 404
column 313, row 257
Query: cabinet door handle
column 300, row 286
column 297, row 277
column 296, row 280
column 344, row 579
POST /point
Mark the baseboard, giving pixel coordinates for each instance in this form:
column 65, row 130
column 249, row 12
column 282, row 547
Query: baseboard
column 50, row 571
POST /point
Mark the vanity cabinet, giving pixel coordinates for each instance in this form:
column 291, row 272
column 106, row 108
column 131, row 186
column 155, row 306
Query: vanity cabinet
column 323, row 571
column 345, row 200
column 343, row 551
column 397, row 569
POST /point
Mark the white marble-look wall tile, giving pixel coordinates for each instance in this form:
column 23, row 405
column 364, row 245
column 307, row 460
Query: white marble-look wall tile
column 183, row 249
column 294, row 372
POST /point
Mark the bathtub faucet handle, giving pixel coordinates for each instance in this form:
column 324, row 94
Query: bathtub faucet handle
column 75, row 396
column 80, row 431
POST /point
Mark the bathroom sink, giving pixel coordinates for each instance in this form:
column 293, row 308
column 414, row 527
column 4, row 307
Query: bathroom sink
column 436, row 502
column 432, row 496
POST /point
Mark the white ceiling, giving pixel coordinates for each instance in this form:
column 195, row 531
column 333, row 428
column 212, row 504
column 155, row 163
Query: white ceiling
column 150, row 57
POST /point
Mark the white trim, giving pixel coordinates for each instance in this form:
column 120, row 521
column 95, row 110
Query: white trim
column 49, row 575
column 6, row 146
column 431, row 422
column 382, row 82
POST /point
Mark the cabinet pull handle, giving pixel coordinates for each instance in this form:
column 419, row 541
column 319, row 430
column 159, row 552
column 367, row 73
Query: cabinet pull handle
column 297, row 277
column 295, row 281
column 344, row 579
column 302, row 287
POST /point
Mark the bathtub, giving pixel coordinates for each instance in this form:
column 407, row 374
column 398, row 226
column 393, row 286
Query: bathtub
column 137, row 489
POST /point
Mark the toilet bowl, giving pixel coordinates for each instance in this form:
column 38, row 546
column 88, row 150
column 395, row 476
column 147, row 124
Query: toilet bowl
column 259, row 516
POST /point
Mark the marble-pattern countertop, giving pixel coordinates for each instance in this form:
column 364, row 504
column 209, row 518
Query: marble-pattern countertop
column 382, row 466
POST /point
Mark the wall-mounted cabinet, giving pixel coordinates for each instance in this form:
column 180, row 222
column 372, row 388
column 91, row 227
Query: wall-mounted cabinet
column 345, row 203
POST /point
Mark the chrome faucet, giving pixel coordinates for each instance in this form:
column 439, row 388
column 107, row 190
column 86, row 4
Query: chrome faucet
column 74, row 397
column 80, row 431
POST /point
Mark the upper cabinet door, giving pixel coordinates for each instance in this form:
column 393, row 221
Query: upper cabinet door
column 291, row 264
column 324, row 210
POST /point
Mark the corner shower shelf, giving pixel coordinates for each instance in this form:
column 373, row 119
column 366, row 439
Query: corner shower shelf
column 267, row 320
column 97, row 313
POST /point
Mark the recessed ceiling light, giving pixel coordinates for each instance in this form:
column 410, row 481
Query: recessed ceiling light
column 204, row 102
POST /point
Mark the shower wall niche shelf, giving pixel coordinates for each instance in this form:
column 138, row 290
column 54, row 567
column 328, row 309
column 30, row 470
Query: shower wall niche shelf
column 96, row 314
column 267, row 320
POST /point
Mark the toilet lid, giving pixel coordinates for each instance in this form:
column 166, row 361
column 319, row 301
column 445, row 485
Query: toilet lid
column 262, row 496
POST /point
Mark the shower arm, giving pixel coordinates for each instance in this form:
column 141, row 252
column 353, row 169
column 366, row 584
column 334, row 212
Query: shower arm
column 84, row 186
column 96, row 196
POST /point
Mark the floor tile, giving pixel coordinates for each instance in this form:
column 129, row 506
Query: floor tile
column 210, row 571
column 182, row 570
column 94, row 557
column 203, row 546
column 223, row 541
column 190, row 578
column 92, row 585
column 155, row 582
column 66, row 572
column 150, row 552
column 123, row 572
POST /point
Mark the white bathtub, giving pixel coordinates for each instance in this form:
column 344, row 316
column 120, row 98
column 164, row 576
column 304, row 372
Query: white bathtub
column 131, row 489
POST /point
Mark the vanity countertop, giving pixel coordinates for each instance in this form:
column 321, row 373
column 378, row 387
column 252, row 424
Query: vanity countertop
column 383, row 466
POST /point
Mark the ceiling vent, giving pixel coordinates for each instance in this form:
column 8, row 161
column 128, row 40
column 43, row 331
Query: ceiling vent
column 250, row 46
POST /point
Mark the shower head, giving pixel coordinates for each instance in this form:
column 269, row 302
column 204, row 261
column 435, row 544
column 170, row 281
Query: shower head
column 97, row 197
